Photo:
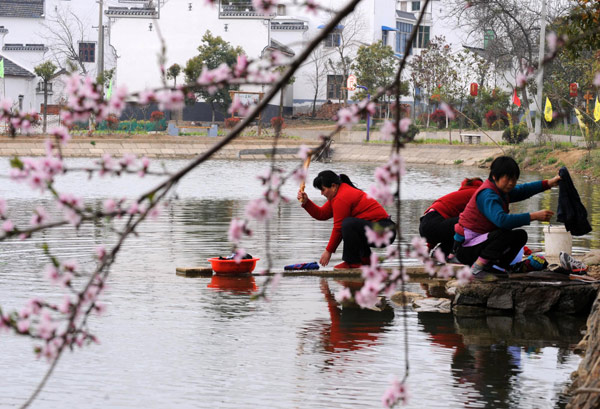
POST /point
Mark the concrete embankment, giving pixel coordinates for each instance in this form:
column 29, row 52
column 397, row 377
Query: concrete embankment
column 163, row 146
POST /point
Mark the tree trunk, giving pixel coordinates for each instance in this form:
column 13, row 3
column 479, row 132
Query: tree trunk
column 281, row 102
column 45, row 106
column 527, row 110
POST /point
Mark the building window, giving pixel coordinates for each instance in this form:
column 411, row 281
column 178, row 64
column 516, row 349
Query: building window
column 40, row 87
column 333, row 39
column 422, row 37
column 87, row 52
column 488, row 37
column 402, row 36
column 384, row 37
column 281, row 10
column 416, row 6
column 334, row 86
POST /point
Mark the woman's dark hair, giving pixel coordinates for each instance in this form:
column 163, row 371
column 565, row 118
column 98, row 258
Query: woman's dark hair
column 327, row 177
column 504, row 166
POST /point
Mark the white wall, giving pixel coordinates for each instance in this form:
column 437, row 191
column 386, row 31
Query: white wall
column 12, row 87
column 138, row 48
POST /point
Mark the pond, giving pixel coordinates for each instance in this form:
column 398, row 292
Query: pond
column 169, row 341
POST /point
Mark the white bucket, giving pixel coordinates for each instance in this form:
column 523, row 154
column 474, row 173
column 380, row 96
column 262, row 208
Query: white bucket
column 556, row 239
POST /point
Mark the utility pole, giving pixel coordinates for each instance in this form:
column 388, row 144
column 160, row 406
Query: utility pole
column 100, row 44
column 540, row 78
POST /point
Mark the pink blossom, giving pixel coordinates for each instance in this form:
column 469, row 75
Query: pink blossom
column 65, row 306
column 419, row 245
column 70, row 200
column 397, row 392
column 450, row 114
column 134, row 208
column 70, row 265
column 404, row 125
column 439, row 256
column 551, row 40
column 388, row 130
column 46, row 326
column 127, row 160
column 154, row 213
column 343, row 295
column 464, row 275
column 8, row 226
column 146, row 96
column 258, row 209
column 241, row 66
column 347, row 117
column 239, row 255
column 446, row 272
column 23, row 326
column 236, row 231
column 100, row 308
column 303, row 152
column 368, row 297
column 6, row 105
column 61, row 133
column 237, row 106
column 264, row 6
column 100, row 252
column 312, row 6
column 72, row 217
column 597, row 80
column 383, row 175
column 299, row 175
column 40, row 216
column 521, row 79
column 109, row 206
column 379, row 237
column 382, row 194
column 396, row 164
column 169, row 99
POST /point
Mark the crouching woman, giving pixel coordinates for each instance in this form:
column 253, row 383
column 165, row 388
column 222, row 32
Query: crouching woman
column 352, row 211
column 486, row 233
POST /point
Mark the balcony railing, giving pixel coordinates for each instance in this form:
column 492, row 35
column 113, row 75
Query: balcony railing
column 239, row 9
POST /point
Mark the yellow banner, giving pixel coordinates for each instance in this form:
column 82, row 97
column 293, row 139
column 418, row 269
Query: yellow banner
column 597, row 111
column 582, row 124
column 548, row 111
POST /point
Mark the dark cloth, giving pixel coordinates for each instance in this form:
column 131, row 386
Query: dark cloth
column 452, row 204
column 356, row 246
column 571, row 211
column 501, row 247
column 303, row 266
column 436, row 229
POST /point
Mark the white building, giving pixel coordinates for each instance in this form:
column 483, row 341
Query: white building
column 36, row 31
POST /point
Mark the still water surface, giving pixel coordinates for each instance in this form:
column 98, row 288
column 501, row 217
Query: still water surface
column 168, row 341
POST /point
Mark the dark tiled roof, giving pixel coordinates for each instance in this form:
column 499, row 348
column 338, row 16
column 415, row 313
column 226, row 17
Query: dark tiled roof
column 24, row 47
column 22, row 8
column 143, row 12
column 276, row 45
column 13, row 70
column 405, row 15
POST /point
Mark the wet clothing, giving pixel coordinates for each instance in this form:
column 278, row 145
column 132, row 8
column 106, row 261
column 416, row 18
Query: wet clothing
column 437, row 224
column 571, row 211
column 484, row 228
column 351, row 210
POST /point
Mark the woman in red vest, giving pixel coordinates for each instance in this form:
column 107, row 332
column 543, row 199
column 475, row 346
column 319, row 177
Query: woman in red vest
column 437, row 223
column 486, row 233
column 352, row 210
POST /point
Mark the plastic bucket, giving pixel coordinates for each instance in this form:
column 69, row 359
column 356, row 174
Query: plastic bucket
column 557, row 239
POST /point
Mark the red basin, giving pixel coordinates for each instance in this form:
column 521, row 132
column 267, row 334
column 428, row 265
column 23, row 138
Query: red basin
column 228, row 267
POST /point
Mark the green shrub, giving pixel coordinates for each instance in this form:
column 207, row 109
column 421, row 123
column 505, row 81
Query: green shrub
column 413, row 130
column 515, row 134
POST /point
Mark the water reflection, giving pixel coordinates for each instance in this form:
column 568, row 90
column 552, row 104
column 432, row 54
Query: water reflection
column 490, row 354
column 233, row 284
column 347, row 329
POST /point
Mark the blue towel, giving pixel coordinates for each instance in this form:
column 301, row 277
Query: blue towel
column 303, row 266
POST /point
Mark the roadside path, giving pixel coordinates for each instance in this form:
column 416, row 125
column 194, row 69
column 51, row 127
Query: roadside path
column 172, row 147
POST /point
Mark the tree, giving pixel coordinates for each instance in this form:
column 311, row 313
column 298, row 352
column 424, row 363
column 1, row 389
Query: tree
column 213, row 52
column 65, row 30
column 173, row 72
column 433, row 70
column 375, row 67
column 46, row 71
column 510, row 33
column 318, row 75
column 582, row 23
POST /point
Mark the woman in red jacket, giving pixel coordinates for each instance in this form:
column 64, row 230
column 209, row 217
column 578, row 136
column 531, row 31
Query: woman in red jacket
column 437, row 223
column 352, row 210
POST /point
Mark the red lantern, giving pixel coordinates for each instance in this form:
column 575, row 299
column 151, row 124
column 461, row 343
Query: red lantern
column 473, row 89
column 573, row 89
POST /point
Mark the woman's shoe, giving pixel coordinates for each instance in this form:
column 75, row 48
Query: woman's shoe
column 345, row 266
column 481, row 273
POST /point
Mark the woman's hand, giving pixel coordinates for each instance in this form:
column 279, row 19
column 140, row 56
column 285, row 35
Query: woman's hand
column 325, row 257
column 541, row 215
column 554, row 181
column 302, row 197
